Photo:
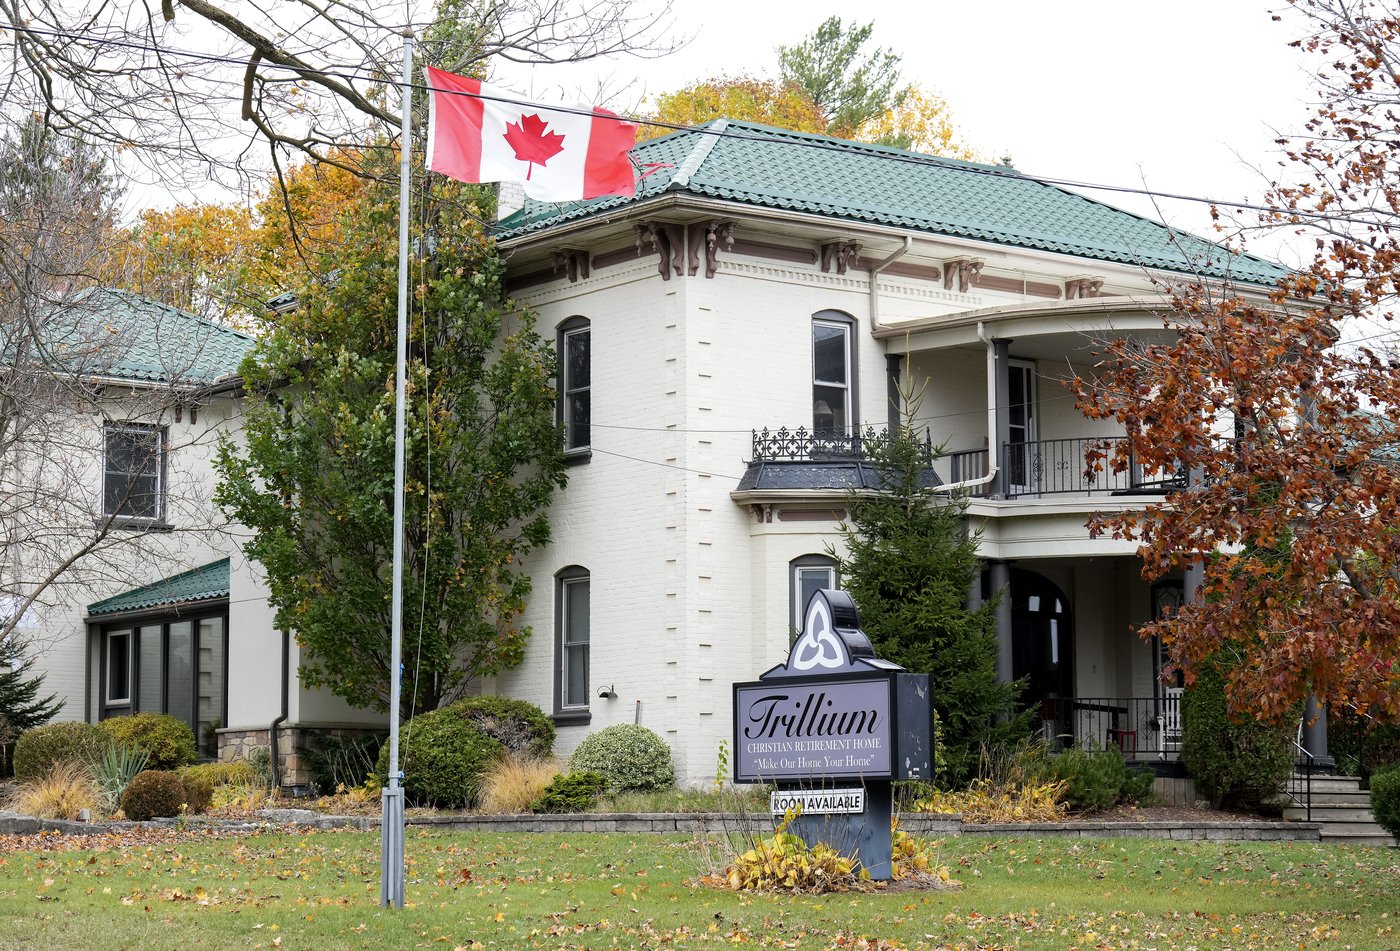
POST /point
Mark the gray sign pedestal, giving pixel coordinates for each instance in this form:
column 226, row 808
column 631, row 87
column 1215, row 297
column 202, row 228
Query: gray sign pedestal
column 865, row 835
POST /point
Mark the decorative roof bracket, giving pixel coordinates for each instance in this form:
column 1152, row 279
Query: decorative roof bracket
column 962, row 270
column 573, row 262
column 1082, row 286
column 678, row 247
column 840, row 253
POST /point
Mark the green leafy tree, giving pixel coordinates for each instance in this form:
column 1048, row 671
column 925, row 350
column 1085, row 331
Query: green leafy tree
column 20, row 706
column 314, row 478
column 848, row 87
column 911, row 561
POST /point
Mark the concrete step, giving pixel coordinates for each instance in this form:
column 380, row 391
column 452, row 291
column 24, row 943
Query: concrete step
column 1341, row 784
column 1360, row 838
column 1362, row 798
column 1328, row 813
column 1332, row 830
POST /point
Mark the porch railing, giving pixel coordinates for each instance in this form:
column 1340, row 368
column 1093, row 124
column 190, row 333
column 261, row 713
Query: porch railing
column 818, row 445
column 1081, row 466
column 1143, row 729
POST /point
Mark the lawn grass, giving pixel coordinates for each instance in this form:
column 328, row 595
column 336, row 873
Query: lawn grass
column 320, row 891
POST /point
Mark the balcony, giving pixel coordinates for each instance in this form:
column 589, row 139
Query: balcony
column 800, row 458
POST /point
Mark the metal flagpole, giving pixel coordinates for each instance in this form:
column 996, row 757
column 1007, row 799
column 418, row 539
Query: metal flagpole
column 391, row 803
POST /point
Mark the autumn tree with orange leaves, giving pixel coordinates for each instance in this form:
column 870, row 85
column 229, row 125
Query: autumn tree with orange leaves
column 1284, row 410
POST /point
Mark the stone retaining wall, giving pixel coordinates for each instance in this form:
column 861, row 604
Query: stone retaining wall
column 712, row 823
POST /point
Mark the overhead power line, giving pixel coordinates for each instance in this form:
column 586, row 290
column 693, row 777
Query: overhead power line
column 885, row 152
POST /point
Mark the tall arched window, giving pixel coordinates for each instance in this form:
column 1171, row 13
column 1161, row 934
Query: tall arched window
column 575, row 386
column 807, row 575
column 573, row 637
column 833, row 373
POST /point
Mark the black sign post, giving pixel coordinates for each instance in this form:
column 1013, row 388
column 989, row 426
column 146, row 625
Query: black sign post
column 833, row 727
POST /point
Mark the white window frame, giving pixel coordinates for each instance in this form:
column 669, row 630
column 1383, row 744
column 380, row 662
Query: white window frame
column 107, row 698
column 847, row 386
column 570, row 580
column 568, row 389
column 159, row 436
column 798, row 567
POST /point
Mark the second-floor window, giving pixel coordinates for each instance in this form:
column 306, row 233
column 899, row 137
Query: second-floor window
column 575, row 383
column 831, row 376
column 133, row 481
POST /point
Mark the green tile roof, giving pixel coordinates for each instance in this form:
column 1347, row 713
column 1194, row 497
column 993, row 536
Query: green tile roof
column 198, row 584
column 774, row 168
column 112, row 333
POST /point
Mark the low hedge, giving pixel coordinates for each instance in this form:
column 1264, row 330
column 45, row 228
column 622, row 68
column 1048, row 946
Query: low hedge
column 445, row 752
column 37, row 750
column 167, row 741
column 1236, row 761
column 153, row 794
column 1385, row 798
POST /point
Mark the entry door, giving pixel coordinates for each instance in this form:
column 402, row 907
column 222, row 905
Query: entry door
column 1021, row 454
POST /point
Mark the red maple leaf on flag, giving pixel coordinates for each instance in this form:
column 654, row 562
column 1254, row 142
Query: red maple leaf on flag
column 532, row 142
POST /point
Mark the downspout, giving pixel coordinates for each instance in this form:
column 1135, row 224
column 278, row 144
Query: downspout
column 992, row 461
column 272, row 730
column 875, row 270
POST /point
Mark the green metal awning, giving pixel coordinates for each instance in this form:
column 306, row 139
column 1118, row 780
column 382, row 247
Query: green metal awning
column 206, row 583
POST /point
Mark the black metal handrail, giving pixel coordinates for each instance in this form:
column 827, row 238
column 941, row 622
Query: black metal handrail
column 1144, row 729
column 1298, row 787
column 1083, row 465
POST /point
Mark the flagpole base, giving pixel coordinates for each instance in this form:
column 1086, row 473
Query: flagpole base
column 391, row 864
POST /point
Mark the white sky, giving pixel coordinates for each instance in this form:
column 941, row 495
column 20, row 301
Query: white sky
column 1184, row 96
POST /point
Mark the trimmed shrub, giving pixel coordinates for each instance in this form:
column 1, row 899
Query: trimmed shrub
column 153, row 794
column 1236, row 763
column 1385, row 798
column 167, row 741
column 518, row 725
column 628, row 756
column 1096, row 780
column 572, row 792
column 443, row 756
column 238, row 772
column 37, row 750
column 199, row 793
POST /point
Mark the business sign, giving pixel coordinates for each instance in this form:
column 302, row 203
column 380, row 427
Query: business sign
column 813, row 729
column 833, row 712
column 817, row 802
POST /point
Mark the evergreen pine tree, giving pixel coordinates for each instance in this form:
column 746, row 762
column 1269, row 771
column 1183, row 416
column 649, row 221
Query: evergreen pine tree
column 911, row 561
column 20, row 708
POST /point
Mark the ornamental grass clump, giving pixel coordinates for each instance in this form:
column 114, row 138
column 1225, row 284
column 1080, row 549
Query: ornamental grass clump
column 113, row 771
column 985, row 801
column 513, row 783
column 63, row 792
column 628, row 756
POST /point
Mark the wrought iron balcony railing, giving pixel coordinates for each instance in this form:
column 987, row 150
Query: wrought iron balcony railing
column 804, row 445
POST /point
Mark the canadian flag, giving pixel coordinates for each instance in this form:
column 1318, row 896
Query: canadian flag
column 480, row 134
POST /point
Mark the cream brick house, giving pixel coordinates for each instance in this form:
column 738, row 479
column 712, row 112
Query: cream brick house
column 726, row 339
column 727, row 336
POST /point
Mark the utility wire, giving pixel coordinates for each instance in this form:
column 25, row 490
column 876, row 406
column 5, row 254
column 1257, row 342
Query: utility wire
column 843, row 146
